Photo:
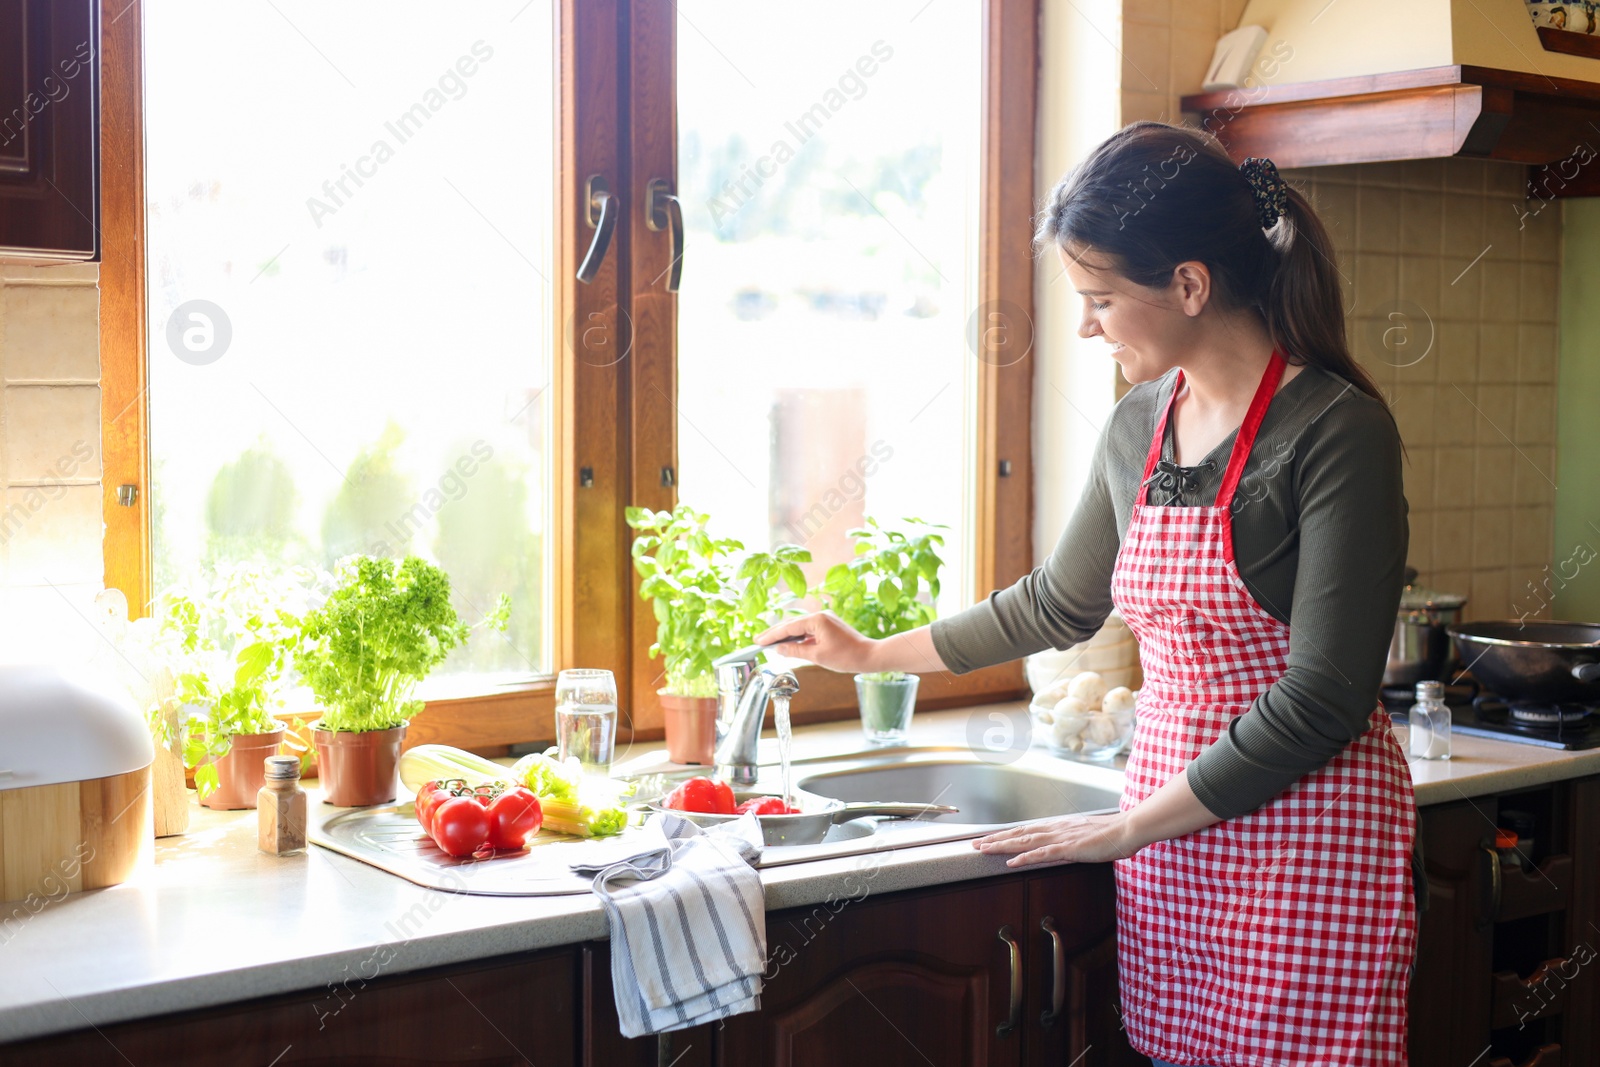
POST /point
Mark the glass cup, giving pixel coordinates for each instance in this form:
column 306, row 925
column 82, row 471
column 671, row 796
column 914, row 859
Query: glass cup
column 886, row 707
column 586, row 718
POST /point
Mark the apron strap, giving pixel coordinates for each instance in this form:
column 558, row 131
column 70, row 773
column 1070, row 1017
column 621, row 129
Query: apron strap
column 1242, row 444
column 1247, row 432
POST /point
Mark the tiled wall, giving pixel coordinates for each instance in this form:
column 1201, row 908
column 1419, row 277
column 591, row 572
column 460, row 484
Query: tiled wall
column 1166, row 48
column 50, row 525
column 1445, row 245
column 1440, row 249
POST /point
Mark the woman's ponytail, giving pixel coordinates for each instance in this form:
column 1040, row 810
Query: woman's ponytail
column 1304, row 306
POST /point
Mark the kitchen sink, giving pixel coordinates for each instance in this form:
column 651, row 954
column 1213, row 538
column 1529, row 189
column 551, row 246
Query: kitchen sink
column 985, row 792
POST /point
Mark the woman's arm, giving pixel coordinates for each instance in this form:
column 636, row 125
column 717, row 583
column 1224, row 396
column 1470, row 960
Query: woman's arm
column 826, row 641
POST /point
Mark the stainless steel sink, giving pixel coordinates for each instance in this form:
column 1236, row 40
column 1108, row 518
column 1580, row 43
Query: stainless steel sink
column 985, row 792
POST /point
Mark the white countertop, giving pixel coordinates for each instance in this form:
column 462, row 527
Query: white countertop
column 215, row 921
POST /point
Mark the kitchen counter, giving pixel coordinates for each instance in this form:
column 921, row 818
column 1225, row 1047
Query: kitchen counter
column 215, row 921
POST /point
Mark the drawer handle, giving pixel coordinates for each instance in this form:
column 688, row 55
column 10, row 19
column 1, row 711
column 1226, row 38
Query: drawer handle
column 1009, row 1027
column 1058, row 972
column 1494, row 884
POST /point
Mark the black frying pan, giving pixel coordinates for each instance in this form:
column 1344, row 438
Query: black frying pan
column 1548, row 662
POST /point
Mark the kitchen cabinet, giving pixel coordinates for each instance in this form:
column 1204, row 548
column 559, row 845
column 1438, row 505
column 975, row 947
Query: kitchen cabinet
column 1506, row 958
column 505, row 1012
column 49, row 119
column 965, row 974
column 885, row 978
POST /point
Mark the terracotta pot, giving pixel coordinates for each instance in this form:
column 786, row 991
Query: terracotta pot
column 241, row 772
column 691, row 725
column 358, row 769
column 297, row 741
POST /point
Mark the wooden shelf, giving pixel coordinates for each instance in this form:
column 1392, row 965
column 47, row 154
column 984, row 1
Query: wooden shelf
column 1569, row 41
column 1428, row 113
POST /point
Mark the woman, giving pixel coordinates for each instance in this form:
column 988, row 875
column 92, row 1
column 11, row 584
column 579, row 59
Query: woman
column 1245, row 516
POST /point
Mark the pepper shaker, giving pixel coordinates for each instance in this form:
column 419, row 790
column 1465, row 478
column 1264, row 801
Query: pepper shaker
column 281, row 808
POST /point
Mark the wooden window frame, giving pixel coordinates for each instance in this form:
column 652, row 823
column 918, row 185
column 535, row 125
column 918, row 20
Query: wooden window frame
column 608, row 418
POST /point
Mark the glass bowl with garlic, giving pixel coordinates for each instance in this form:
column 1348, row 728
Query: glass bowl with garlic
column 1084, row 718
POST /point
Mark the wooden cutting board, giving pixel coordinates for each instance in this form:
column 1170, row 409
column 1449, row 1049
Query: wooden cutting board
column 65, row 838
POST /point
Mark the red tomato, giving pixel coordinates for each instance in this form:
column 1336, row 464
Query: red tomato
column 697, row 794
column 767, row 806
column 514, row 816
column 429, row 797
column 724, row 791
column 460, row 826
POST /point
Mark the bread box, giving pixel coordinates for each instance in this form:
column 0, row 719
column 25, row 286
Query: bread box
column 74, row 786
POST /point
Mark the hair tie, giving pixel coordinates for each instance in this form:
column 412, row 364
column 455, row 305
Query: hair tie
column 1267, row 187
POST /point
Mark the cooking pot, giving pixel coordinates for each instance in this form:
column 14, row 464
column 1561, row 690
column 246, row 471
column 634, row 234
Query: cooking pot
column 1545, row 662
column 1421, row 649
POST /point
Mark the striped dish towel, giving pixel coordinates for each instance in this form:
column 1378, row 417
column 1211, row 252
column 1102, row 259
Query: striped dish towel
column 688, row 921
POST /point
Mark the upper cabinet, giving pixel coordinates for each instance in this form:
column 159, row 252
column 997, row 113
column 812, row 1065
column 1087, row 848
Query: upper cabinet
column 49, row 137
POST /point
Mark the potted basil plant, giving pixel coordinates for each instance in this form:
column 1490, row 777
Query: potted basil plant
column 228, row 652
column 880, row 593
column 710, row 597
column 382, row 630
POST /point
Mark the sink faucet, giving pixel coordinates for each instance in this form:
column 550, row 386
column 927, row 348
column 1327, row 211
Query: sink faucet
column 743, row 690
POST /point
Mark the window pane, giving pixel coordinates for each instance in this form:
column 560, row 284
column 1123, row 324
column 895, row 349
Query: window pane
column 349, row 211
column 828, row 163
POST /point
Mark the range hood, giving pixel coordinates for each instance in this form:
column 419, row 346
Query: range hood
column 1363, row 81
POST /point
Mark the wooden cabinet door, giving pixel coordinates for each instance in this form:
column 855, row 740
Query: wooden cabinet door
column 49, row 115
column 915, row 978
column 1078, row 904
column 603, row 1043
column 1450, row 991
column 497, row 1013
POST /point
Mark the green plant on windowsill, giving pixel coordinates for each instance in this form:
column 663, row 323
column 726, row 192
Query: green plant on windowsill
column 879, row 593
column 710, row 596
column 382, row 630
column 228, row 647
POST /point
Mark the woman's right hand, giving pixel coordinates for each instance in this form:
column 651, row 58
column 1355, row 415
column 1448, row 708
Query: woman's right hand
column 824, row 640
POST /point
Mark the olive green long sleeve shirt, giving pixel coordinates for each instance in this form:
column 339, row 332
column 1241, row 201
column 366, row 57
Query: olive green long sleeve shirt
column 1320, row 536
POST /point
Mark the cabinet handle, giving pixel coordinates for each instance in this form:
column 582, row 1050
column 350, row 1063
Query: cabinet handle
column 1058, row 973
column 1494, row 884
column 1010, row 1025
column 602, row 217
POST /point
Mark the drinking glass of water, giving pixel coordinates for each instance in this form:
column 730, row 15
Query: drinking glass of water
column 586, row 717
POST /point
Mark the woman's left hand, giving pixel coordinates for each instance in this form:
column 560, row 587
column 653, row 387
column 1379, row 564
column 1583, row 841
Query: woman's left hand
column 1079, row 838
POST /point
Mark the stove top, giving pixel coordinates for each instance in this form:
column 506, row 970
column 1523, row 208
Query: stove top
column 1475, row 714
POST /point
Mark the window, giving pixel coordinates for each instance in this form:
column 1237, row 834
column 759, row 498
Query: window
column 340, row 311
column 348, row 297
column 830, row 183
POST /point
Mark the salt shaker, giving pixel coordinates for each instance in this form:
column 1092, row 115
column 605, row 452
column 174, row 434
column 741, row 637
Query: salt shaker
column 281, row 808
column 1430, row 723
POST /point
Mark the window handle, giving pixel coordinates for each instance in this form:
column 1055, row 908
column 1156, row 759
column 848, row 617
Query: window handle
column 602, row 218
column 663, row 212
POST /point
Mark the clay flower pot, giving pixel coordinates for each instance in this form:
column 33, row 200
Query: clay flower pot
column 241, row 772
column 357, row 769
column 691, row 725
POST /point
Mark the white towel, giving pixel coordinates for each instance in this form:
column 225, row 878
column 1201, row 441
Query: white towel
column 688, row 921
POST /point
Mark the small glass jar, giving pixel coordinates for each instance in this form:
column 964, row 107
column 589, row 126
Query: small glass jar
column 281, row 808
column 886, row 703
column 1429, row 720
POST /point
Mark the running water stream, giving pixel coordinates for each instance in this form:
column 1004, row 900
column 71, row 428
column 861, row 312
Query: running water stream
column 780, row 719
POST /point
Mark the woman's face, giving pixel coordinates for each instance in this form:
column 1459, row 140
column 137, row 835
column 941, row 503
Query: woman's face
column 1147, row 329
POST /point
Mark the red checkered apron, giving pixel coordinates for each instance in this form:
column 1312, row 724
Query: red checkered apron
column 1281, row 938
